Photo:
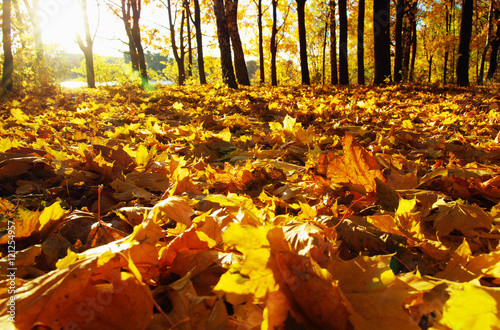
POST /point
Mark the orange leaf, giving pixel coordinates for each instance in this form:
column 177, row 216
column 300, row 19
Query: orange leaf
column 320, row 299
column 356, row 166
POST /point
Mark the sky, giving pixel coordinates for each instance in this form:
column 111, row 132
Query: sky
column 61, row 20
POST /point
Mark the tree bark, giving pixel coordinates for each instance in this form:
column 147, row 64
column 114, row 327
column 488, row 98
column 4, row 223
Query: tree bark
column 239, row 57
column 495, row 44
column 224, row 45
column 199, row 42
column 446, row 53
column 398, row 35
column 126, row 8
column 360, row 50
column 190, row 46
column 274, row 45
column 8, row 62
column 323, row 62
column 136, row 33
column 343, row 62
column 382, row 41
column 464, row 43
column 87, row 46
column 179, row 58
column 261, row 42
column 429, row 62
column 413, row 22
column 304, row 67
column 334, row 77
column 480, row 76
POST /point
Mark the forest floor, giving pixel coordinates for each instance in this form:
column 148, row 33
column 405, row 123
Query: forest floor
column 289, row 207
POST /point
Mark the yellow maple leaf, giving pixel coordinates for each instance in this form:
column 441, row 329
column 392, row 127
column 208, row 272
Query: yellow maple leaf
column 470, row 307
column 19, row 115
column 252, row 278
column 51, row 213
column 408, row 219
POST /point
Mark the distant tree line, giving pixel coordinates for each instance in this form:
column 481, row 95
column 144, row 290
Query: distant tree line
column 399, row 41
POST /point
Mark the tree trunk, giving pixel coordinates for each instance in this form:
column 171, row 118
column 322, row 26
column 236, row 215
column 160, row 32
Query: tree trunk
column 224, row 45
column 429, row 62
column 178, row 58
column 274, row 45
column 181, row 46
column 495, row 44
column 480, row 76
column 361, row 47
column 199, row 42
column 323, row 63
column 413, row 22
column 343, row 63
column 304, row 67
column 190, row 46
column 333, row 45
column 136, row 33
column 8, row 62
column 446, row 53
column 464, row 43
column 398, row 35
column 87, row 46
column 261, row 42
column 128, row 29
column 382, row 41
column 239, row 57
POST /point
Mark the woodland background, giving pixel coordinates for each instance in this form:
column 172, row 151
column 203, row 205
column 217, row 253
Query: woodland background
column 285, row 42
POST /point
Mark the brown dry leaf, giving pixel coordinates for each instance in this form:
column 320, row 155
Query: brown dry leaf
column 71, row 297
column 356, row 166
column 399, row 181
column 304, row 236
column 122, row 161
column 458, row 268
column 128, row 190
column 13, row 164
column 375, row 295
column 175, row 208
column 387, row 197
column 491, row 188
column 188, row 241
column 152, row 181
column 24, row 262
column 133, row 215
column 468, row 219
column 102, row 233
column 190, row 311
column 464, row 267
column 319, row 298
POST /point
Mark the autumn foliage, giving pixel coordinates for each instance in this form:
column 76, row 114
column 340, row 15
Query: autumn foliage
column 301, row 207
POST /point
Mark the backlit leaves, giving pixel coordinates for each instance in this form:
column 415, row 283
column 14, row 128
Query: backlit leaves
column 356, row 166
